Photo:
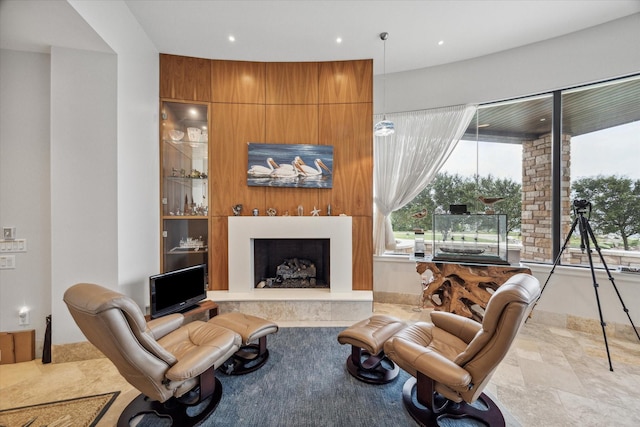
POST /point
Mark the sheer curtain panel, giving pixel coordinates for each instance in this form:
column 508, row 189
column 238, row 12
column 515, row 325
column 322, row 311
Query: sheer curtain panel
column 407, row 161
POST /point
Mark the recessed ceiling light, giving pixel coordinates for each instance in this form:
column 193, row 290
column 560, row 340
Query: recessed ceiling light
column 232, row 38
column 484, row 125
column 441, row 42
column 193, row 112
column 543, row 119
column 339, row 40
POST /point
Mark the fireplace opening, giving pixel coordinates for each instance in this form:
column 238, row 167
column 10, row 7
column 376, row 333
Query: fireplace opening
column 291, row 263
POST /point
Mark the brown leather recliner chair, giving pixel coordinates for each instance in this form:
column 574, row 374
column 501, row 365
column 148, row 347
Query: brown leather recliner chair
column 453, row 358
column 171, row 363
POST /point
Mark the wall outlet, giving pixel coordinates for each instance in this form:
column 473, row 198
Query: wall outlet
column 7, row 262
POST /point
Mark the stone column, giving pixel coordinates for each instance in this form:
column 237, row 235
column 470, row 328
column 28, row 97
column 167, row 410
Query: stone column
column 536, row 197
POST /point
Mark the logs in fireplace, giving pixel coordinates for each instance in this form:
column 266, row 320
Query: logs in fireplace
column 294, row 273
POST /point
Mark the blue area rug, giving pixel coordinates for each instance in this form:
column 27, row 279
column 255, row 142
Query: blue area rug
column 305, row 383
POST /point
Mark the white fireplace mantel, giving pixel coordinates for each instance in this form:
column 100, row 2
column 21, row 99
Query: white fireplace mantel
column 244, row 229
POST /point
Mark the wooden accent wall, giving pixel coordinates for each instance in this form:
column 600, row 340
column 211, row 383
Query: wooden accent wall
column 328, row 103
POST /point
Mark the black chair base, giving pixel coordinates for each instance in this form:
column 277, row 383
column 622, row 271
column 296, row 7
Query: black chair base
column 249, row 358
column 173, row 411
column 490, row 415
column 372, row 369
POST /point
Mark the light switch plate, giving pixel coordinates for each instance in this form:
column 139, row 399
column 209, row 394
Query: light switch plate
column 8, row 233
column 17, row 245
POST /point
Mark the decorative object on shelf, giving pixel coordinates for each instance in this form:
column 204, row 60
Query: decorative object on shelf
column 288, row 165
column 271, row 212
column 286, row 213
column 315, row 212
column 195, row 173
column 176, row 135
column 329, row 209
column 255, row 212
column 192, row 243
column 384, row 127
column 194, row 134
column 472, row 238
column 420, row 214
column 300, row 210
column 237, row 209
column 489, row 202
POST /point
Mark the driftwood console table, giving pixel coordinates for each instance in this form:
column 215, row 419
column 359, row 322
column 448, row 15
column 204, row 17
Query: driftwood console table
column 463, row 289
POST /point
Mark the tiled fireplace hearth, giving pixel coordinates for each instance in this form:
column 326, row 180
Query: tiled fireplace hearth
column 334, row 304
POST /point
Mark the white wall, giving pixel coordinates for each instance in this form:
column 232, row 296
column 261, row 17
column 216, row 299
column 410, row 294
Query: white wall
column 83, row 178
column 101, row 177
column 137, row 142
column 606, row 51
column 24, row 186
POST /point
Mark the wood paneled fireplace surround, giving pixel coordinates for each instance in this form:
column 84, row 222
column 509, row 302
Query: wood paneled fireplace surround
column 323, row 103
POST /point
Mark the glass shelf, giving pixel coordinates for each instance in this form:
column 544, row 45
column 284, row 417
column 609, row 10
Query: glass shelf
column 185, row 184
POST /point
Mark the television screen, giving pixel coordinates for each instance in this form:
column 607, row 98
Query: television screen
column 177, row 290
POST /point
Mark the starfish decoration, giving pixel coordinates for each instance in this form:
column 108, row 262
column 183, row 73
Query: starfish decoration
column 315, row 212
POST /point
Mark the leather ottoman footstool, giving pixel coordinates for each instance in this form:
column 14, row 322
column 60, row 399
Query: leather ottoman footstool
column 251, row 355
column 368, row 362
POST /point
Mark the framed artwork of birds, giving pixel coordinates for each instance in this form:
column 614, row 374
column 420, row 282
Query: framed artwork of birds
column 290, row 165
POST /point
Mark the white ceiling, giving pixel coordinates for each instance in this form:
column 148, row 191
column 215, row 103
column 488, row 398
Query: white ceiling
column 307, row 30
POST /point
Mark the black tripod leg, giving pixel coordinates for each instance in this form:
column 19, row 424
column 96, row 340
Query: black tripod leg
column 584, row 233
column 606, row 267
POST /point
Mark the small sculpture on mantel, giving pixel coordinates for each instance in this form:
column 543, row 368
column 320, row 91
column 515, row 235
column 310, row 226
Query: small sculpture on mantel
column 315, row 212
column 300, row 210
column 237, row 209
column 271, row 212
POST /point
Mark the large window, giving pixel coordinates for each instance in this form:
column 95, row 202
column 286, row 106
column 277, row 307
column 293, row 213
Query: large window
column 510, row 152
column 603, row 124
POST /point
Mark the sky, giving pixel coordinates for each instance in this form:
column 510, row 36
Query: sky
column 615, row 149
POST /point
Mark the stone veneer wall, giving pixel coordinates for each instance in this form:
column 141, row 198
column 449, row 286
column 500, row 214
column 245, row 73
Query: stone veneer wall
column 536, row 197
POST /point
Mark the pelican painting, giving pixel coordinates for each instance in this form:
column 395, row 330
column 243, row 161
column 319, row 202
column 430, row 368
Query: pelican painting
column 309, row 171
column 288, row 171
column 290, row 165
column 262, row 171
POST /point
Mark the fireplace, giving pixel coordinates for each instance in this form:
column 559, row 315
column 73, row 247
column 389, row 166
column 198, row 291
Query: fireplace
column 331, row 236
column 336, row 303
column 291, row 263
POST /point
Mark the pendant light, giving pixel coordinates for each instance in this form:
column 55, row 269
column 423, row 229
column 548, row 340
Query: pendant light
column 384, row 127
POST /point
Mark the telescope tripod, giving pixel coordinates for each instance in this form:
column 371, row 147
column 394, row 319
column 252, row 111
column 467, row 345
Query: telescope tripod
column 586, row 238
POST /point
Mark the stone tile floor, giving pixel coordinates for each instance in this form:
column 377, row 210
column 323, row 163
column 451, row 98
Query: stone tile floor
column 551, row 377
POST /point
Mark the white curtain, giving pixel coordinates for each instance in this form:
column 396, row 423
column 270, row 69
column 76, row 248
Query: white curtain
column 407, row 161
